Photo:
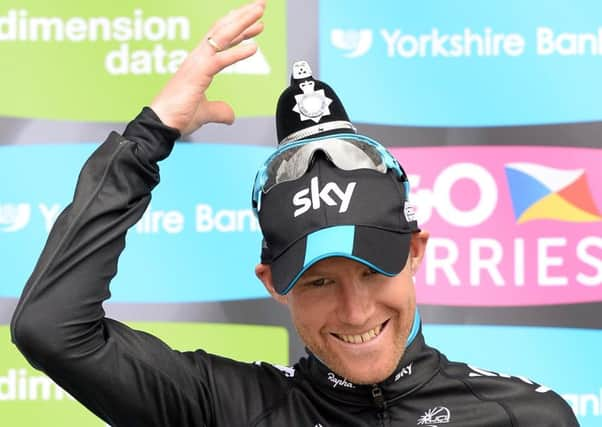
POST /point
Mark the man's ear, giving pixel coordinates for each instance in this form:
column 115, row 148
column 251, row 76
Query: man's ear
column 417, row 249
column 264, row 273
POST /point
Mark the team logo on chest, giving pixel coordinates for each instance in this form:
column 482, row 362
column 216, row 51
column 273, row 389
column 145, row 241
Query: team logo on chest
column 435, row 416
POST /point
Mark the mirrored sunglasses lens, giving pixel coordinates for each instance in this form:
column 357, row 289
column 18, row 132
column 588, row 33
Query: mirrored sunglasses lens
column 345, row 154
column 290, row 165
column 348, row 155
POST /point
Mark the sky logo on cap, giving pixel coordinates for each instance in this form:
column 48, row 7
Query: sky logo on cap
column 540, row 192
column 310, row 197
column 356, row 43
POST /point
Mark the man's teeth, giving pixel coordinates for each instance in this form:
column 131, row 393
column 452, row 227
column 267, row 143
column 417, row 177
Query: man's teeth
column 365, row 337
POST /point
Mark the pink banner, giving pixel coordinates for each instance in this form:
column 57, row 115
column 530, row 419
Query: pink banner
column 510, row 226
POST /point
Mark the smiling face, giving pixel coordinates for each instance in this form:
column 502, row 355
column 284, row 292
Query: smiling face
column 355, row 320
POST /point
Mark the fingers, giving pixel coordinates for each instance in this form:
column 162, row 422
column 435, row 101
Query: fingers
column 210, row 112
column 238, row 25
column 182, row 103
column 250, row 32
column 236, row 14
column 220, row 112
column 235, row 54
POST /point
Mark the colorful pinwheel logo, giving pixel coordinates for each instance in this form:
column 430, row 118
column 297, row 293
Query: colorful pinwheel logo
column 541, row 192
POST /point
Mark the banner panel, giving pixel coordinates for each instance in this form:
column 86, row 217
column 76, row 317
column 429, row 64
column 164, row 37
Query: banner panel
column 92, row 61
column 198, row 241
column 464, row 63
column 510, row 226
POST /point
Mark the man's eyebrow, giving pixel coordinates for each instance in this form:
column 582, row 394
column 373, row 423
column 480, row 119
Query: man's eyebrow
column 316, row 272
column 309, row 275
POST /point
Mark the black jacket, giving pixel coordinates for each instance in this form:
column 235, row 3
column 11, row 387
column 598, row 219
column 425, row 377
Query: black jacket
column 130, row 378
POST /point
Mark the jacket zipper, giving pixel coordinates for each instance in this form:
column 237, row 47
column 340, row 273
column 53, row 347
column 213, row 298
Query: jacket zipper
column 379, row 400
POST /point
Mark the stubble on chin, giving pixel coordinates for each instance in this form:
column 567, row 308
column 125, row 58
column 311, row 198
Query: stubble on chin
column 341, row 366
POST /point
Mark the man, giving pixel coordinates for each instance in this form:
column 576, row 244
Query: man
column 340, row 249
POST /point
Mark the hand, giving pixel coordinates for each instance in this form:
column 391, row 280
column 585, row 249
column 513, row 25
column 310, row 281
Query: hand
column 182, row 103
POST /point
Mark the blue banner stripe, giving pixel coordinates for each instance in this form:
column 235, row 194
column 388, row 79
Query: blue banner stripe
column 196, row 243
column 467, row 63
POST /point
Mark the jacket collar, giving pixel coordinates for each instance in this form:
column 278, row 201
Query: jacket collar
column 417, row 366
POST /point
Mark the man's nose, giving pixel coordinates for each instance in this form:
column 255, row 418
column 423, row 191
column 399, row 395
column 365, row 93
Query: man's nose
column 355, row 304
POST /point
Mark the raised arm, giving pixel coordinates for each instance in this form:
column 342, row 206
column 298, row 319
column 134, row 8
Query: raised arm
column 124, row 376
